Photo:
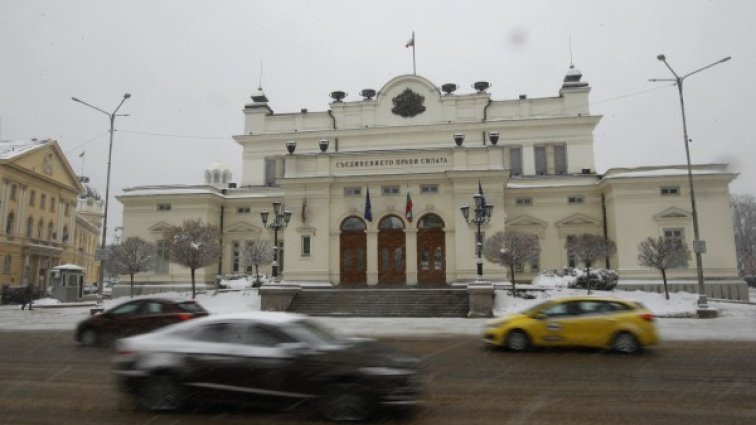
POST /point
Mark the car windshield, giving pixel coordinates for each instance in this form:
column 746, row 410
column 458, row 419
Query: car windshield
column 313, row 333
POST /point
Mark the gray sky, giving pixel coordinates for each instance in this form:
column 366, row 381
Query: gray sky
column 190, row 67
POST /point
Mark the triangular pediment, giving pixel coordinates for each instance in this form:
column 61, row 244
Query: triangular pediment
column 578, row 220
column 49, row 162
column 243, row 227
column 526, row 221
column 672, row 213
column 306, row 228
column 160, row 227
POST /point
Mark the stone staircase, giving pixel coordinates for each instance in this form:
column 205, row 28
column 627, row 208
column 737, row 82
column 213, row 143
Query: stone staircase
column 371, row 302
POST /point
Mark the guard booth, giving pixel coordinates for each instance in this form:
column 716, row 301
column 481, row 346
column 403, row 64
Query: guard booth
column 67, row 282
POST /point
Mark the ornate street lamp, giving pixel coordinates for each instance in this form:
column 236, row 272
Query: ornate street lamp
column 482, row 214
column 281, row 219
column 102, row 253
column 699, row 246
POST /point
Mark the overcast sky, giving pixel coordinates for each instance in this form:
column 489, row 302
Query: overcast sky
column 190, row 67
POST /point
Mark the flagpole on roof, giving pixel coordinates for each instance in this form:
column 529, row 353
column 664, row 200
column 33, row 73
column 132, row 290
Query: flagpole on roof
column 411, row 43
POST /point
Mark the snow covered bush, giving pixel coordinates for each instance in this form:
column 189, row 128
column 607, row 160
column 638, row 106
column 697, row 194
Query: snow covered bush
column 598, row 279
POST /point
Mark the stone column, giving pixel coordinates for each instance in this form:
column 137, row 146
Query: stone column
column 372, row 256
column 410, row 244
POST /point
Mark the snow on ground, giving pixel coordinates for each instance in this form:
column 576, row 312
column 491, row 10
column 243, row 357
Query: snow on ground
column 736, row 321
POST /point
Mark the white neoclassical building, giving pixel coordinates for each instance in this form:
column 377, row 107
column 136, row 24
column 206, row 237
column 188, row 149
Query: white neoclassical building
column 402, row 144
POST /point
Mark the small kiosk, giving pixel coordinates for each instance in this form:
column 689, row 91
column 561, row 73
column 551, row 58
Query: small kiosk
column 67, row 282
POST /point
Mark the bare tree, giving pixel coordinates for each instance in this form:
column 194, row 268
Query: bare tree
column 744, row 226
column 193, row 245
column 589, row 248
column 511, row 249
column 661, row 254
column 134, row 255
column 258, row 253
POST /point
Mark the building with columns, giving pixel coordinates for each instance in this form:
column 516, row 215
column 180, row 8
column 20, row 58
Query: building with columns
column 419, row 152
column 48, row 216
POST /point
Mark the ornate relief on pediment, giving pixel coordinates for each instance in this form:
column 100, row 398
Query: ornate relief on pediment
column 408, row 104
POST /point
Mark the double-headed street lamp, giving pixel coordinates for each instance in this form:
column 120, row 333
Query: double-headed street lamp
column 281, row 219
column 482, row 214
column 699, row 246
column 112, row 116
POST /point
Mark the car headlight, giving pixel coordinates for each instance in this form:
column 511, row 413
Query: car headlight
column 386, row 371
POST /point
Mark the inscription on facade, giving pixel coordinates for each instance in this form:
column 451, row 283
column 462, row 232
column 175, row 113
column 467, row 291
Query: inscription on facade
column 377, row 163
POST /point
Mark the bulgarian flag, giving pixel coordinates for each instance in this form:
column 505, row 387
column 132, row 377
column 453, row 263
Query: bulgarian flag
column 408, row 208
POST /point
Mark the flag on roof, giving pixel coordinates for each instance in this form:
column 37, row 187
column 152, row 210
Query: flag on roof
column 411, row 42
column 368, row 208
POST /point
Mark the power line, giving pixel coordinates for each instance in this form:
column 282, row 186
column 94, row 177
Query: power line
column 182, row 136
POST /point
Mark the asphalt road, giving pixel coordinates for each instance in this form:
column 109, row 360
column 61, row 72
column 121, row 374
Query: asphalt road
column 46, row 379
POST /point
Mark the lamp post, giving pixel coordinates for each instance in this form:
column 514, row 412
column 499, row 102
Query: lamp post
column 112, row 116
column 281, row 219
column 482, row 214
column 699, row 246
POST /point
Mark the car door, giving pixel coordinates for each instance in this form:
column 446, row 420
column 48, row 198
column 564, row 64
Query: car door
column 557, row 326
column 151, row 315
column 119, row 321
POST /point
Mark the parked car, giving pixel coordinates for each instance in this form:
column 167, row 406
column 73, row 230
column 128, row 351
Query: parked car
column 135, row 317
column 264, row 358
column 621, row 325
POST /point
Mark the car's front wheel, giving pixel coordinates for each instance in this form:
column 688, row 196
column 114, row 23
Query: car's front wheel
column 517, row 341
column 89, row 337
column 625, row 343
column 346, row 402
column 161, row 393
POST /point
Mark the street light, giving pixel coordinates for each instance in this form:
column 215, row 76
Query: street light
column 699, row 246
column 482, row 214
column 111, row 116
column 281, row 219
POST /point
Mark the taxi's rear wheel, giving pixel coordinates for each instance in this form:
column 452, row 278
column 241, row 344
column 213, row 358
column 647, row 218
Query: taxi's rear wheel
column 625, row 343
column 517, row 341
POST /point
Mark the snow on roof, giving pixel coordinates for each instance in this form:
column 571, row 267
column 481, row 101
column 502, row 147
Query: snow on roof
column 12, row 148
column 661, row 172
column 200, row 189
column 68, row 267
column 546, row 183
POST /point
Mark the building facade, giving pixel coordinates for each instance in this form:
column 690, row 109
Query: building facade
column 375, row 187
column 42, row 222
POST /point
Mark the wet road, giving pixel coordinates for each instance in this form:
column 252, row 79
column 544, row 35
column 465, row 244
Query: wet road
column 46, row 379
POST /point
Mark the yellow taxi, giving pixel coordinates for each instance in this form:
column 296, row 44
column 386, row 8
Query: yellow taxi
column 621, row 325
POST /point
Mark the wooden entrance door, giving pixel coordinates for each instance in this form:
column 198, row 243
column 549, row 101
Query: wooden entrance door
column 392, row 264
column 353, row 244
column 431, row 250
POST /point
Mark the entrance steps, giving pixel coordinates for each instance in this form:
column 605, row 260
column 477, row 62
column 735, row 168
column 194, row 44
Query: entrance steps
column 369, row 302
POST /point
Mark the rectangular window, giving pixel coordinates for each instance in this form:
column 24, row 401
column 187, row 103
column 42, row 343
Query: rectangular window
column 305, row 245
column 535, row 266
column 235, row 256
column 525, row 202
column 540, row 160
column 42, row 200
column 13, row 192
column 243, row 210
column 7, row 264
column 669, row 190
column 163, row 207
column 577, row 199
column 571, row 258
column 560, row 159
column 52, row 204
column 32, row 198
column 515, row 160
column 677, row 235
column 270, row 171
column 389, row 190
column 161, row 257
column 352, row 191
column 428, row 189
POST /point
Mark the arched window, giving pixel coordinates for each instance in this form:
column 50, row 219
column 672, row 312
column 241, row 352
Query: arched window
column 29, row 227
column 430, row 221
column 391, row 222
column 353, row 223
column 9, row 223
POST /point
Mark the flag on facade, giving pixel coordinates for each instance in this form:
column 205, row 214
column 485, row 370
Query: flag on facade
column 368, row 209
column 304, row 209
column 408, row 208
column 411, row 42
column 81, row 155
column 480, row 191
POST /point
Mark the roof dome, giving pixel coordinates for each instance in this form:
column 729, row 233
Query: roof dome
column 572, row 78
column 89, row 191
column 218, row 174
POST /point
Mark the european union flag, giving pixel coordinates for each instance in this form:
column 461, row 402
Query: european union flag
column 368, row 209
column 480, row 191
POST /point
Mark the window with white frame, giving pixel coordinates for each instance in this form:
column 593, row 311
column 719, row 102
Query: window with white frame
column 235, row 256
column 161, row 257
column 669, row 190
column 677, row 235
column 515, row 160
column 560, row 159
column 428, row 189
column 525, row 201
column 352, row 191
column 540, row 160
column 390, row 190
column 306, row 240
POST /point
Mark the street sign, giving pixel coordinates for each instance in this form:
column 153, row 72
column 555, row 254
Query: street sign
column 101, row 254
column 699, row 247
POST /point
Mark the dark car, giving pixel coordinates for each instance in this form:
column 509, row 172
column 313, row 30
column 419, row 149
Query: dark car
column 267, row 358
column 135, row 317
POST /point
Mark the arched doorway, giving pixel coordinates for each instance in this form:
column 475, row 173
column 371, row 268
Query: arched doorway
column 353, row 243
column 392, row 265
column 431, row 250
